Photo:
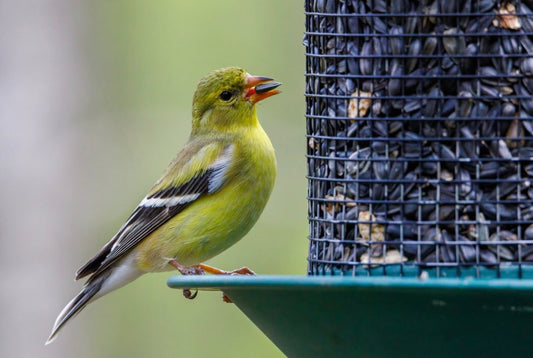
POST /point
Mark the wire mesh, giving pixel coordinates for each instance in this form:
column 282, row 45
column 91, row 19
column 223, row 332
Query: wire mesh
column 420, row 137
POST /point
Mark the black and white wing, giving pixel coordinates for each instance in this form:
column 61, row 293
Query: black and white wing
column 164, row 202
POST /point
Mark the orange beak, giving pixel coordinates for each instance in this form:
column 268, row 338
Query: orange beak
column 258, row 88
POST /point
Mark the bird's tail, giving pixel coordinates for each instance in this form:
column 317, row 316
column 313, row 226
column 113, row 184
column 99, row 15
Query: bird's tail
column 98, row 285
column 76, row 305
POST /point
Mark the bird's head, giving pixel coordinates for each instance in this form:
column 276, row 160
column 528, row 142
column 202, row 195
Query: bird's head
column 226, row 98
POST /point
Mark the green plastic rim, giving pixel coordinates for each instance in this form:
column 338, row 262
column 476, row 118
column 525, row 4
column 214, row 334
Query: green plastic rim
column 236, row 282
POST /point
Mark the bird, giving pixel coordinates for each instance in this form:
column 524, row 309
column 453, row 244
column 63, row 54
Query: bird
column 207, row 199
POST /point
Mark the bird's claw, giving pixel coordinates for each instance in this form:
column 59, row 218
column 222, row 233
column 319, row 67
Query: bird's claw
column 241, row 271
column 187, row 270
column 195, row 270
column 188, row 294
column 201, row 269
column 217, row 271
column 226, row 298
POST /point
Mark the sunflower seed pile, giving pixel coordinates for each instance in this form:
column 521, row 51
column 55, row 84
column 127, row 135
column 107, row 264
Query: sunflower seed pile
column 420, row 133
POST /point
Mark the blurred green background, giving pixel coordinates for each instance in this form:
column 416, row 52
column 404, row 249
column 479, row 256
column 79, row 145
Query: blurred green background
column 96, row 100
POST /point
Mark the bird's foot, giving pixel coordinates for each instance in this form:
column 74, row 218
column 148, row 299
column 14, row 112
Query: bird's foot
column 201, row 269
column 187, row 294
column 216, row 271
column 185, row 270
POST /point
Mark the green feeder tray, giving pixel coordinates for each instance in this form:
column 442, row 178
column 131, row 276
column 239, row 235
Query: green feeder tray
column 334, row 316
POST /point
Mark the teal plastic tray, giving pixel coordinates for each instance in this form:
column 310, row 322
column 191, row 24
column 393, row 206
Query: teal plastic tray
column 334, row 316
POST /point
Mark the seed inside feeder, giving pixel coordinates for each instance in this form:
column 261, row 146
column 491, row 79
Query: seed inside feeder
column 420, row 134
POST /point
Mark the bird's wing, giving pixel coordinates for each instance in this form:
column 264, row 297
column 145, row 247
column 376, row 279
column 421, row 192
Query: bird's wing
column 200, row 169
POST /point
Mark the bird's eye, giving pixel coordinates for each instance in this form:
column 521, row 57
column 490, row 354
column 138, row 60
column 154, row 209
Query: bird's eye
column 225, row 95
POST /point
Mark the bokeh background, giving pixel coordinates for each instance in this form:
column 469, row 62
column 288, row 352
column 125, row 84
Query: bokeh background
column 95, row 100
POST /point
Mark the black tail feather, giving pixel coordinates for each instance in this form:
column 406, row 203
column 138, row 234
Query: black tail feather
column 76, row 305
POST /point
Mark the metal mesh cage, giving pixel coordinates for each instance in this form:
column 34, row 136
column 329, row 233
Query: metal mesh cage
column 420, row 137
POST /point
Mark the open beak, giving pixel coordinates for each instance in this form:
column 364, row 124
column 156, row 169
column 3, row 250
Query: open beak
column 258, row 88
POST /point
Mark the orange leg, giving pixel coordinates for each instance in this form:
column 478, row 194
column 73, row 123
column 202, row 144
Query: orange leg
column 184, row 270
column 201, row 269
column 216, row 271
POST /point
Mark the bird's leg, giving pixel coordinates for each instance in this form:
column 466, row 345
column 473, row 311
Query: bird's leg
column 184, row 270
column 216, row 271
column 201, row 269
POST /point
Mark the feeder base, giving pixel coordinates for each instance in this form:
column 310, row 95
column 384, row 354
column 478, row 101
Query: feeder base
column 322, row 316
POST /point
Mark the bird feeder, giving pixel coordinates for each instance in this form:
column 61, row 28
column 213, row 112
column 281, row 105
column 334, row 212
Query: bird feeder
column 420, row 185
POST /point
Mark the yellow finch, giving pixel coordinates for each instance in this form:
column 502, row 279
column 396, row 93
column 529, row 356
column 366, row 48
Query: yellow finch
column 208, row 198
